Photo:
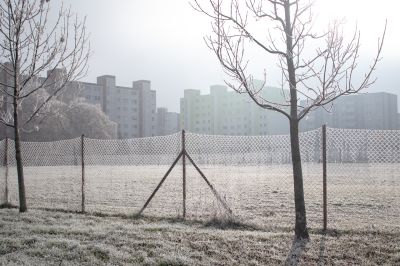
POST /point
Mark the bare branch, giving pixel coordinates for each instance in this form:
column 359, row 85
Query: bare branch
column 30, row 45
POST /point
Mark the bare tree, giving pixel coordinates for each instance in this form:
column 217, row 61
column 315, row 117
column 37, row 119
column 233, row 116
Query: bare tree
column 31, row 44
column 318, row 77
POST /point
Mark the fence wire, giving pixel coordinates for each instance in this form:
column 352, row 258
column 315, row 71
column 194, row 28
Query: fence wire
column 363, row 178
column 52, row 174
column 252, row 174
column 121, row 174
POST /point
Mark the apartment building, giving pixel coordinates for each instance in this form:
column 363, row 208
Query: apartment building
column 361, row 111
column 225, row 112
column 167, row 122
column 132, row 108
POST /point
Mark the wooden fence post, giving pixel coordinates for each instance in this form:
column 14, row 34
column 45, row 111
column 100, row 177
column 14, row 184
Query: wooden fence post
column 83, row 172
column 6, row 166
column 209, row 184
column 324, row 185
column 161, row 182
column 184, row 173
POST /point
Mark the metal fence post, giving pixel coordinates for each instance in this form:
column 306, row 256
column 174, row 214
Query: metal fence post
column 6, row 166
column 324, row 186
column 83, row 172
column 184, row 173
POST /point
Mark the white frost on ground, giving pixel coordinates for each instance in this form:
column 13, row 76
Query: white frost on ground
column 57, row 238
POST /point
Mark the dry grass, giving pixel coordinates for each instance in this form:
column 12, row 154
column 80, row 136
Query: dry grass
column 59, row 238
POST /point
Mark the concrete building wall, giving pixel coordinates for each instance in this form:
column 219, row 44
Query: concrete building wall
column 5, row 107
column 224, row 112
column 132, row 108
column 147, row 108
column 167, row 122
column 363, row 111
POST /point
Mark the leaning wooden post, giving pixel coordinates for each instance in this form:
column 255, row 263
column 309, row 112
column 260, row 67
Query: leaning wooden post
column 6, row 166
column 83, row 172
column 209, row 184
column 184, row 173
column 161, row 182
column 324, row 188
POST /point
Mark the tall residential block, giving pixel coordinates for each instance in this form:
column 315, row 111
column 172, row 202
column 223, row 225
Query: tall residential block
column 225, row 112
column 362, row 111
column 167, row 122
column 132, row 108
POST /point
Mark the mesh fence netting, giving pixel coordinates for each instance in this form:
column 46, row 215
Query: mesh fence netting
column 121, row 174
column 52, row 174
column 252, row 174
column 363, row 178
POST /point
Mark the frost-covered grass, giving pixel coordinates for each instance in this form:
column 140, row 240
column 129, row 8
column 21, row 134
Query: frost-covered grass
column 58, row 238
column 360, row 196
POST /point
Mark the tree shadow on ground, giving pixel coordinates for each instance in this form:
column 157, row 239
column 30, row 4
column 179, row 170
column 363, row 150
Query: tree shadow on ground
column 296, row 251
column 298, row 248
column 321, row 256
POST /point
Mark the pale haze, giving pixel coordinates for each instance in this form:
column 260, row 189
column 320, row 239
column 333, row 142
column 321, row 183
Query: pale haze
column 162, row 41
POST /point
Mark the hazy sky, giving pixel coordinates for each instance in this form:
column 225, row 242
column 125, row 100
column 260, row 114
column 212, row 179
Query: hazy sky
column 162, row 40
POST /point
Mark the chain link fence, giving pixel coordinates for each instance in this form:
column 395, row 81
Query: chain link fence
column 251, row 174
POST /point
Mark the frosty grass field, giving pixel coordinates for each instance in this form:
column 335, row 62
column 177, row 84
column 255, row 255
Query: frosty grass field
column 360, row 196
column 363, row 215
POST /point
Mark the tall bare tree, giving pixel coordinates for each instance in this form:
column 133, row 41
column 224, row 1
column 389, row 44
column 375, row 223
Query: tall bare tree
column 318, row 77
column 30, row 44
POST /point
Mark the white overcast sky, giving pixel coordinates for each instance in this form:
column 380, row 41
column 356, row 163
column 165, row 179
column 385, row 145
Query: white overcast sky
column 162, row 41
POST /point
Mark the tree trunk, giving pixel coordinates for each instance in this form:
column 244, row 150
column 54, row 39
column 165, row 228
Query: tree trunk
column 300, row 229
column 18, row 158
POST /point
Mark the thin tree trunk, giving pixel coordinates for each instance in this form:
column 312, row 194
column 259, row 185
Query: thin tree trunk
column 299, row 204
column 301, row 220
column 18, row 158
column 18, row 155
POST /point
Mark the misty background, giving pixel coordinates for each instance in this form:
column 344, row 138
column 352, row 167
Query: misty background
column 162, row 41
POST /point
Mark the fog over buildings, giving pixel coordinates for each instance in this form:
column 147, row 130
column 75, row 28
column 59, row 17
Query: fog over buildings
column 162, row 41
column 223, row 112
column 364, row 111
column 160, row 45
